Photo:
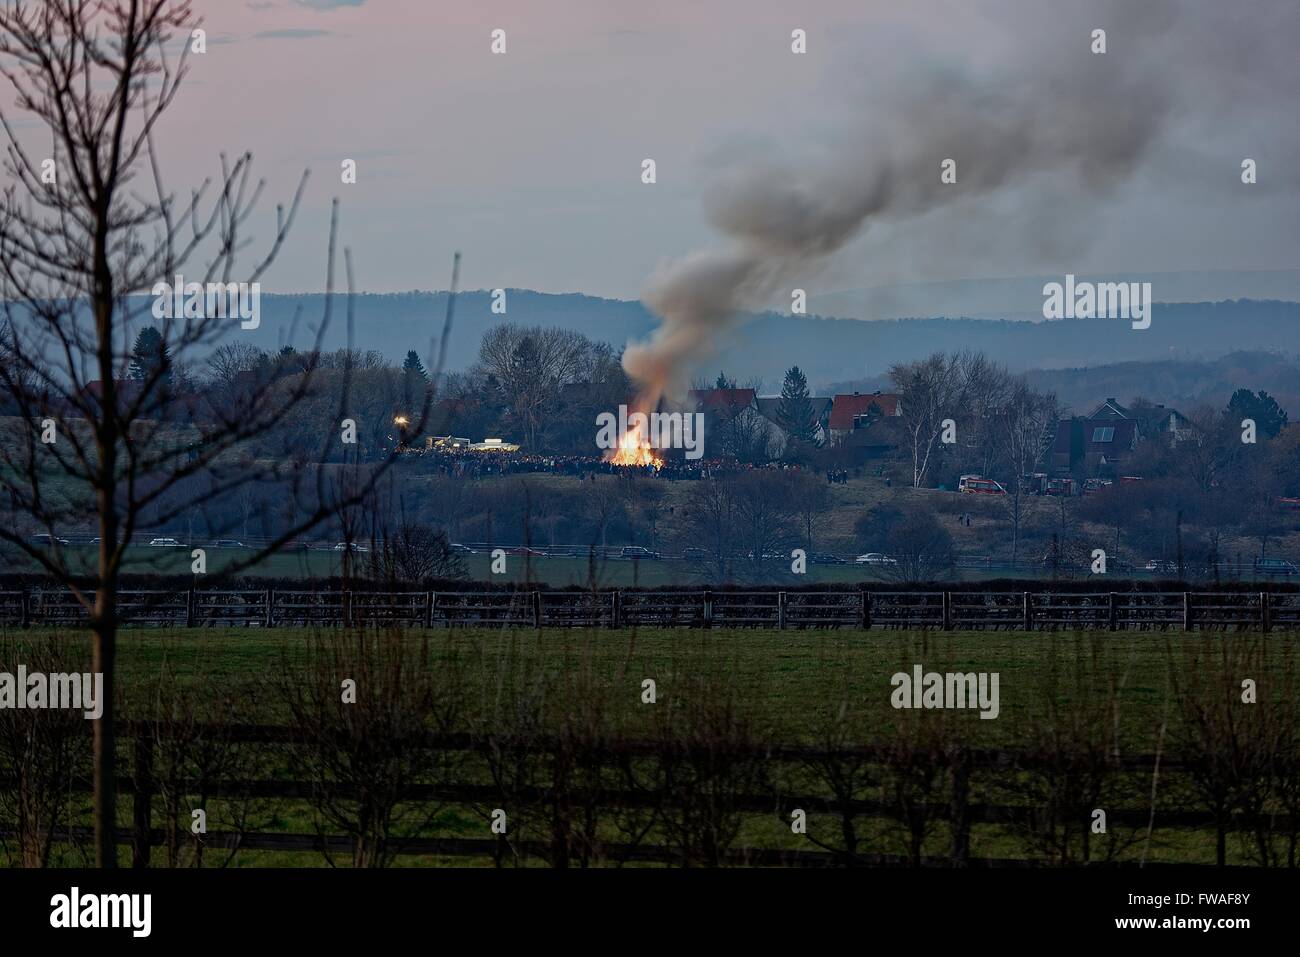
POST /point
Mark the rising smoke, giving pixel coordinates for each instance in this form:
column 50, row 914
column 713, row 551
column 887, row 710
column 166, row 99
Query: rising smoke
column 1060, row 110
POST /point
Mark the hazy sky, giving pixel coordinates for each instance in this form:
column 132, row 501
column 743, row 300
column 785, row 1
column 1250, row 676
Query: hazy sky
column 530, row 162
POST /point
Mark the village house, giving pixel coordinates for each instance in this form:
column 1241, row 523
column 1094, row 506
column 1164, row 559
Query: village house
column 856, row 411
column 1098, row 444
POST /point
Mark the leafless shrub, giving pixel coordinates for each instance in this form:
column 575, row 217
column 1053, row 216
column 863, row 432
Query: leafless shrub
column 1071, row 737
column 707, row 758
column 42, row 751
column 1235, row 750
column 366, row 747
column 186, row 751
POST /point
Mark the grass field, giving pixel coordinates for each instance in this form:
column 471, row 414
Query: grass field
column 1077, row 695
column 554, row 571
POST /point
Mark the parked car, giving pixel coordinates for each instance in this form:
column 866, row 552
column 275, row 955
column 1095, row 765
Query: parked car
column 822, row 558
column 228, row 543
column 165, row 543
column 350, row 546
column 636, row 553
column 1274, row 566
column 694, row 553
column 45, row 539
column 525, row 551
column 457, row 549
column 874, row 558
column 1161, row 565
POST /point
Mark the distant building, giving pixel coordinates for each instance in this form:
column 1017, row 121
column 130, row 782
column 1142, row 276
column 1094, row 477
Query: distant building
column 1106, row 437
column 850, row 412
column 727, row 403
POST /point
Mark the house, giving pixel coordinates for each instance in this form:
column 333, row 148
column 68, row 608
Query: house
column 850, row 412
column 725, row 403
column 1157, row 420
column 876, row 437
column 1092, row 444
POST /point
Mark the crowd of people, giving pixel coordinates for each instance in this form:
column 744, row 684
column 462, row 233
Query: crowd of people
column 465, row 463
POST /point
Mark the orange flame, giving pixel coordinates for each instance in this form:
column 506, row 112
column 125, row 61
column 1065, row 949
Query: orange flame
column 633, row 450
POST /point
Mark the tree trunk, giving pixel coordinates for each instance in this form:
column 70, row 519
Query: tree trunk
column 104, row 618
column 105, row 770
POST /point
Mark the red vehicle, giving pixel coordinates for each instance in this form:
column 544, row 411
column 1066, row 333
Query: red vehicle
column 979, row 484
column 1035, row 484
column 1290, row 504
column 1062, row 486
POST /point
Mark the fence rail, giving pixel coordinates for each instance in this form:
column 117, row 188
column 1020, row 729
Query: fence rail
column 957, row 809
column 1042, row 610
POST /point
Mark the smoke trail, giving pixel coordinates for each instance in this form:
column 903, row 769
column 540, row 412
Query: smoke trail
column 1063, row 110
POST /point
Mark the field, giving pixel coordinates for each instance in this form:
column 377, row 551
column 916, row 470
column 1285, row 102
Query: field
column 555, row 571
column 555, row 728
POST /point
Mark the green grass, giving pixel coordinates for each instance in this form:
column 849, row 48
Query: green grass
column 791, row 677
column 784, row 686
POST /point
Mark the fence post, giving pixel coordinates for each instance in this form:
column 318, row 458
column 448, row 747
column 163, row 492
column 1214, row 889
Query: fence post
column 616, row 608
column 25, row 598
column 270, row 608
column 1264, row 610
column 780, row 609
column 960, row 808
column 347, row 607
column 1114, row 611
column 708, row 608
column 428, row 609
column 537, row 608
column 141, row 811
column 189, row 608
column 947, row 611
column 1187, row 611
column 1028, row 611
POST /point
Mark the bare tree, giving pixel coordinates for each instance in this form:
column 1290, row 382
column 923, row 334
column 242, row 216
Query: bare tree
column 709, row 520
column 528, row 367
column 930, row 391
column 88, row 233
column 1024, row 418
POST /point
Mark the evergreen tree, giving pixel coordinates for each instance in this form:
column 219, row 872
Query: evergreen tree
column 413, row 367
column 150, row 356
column 795, row 413
column 723, row 382
column 414, row 382
column 1262, row 407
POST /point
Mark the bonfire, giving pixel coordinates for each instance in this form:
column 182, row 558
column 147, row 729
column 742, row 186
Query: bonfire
column 633, row 449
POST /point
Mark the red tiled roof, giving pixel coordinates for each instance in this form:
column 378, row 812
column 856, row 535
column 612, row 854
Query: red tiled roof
column 845, row 407
column 722, row 399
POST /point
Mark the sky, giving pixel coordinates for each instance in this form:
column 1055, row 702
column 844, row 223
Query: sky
column 530, row 162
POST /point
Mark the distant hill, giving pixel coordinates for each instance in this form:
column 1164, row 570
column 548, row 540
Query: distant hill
column 827, row 349
column 1022, row 297
column 1182, row 384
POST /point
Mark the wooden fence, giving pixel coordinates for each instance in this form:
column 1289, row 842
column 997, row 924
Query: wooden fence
column 958, row 767
column 1041, row 610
